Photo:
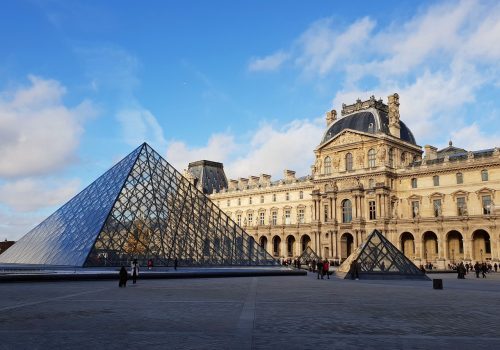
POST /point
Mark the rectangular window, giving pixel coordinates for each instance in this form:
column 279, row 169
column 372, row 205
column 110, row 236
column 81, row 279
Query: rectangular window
column 325, row 213
column 484, row 175
column 300, row 216
column 287, row 217
column 373, row 210
column 250, row 219
column 415, row 208
column 414, row 183
column 239, row 201
column 238, row 219
column 460, row 178
column 274, row 197
column 461, row 206
column 437, row 207
column 262, row 199
column 301, row 195
column 287, row 196
column 261, row 218
column 274, row 218
column 486, row 204
column 250, row 200
column 435, row 180
column 228, row 203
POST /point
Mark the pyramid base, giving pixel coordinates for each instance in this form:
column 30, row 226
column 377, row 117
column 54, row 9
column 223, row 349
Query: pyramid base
column 383, row 276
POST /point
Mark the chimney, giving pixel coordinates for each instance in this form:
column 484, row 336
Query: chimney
column 289, row 174
column 233, row 184
column 242, row 183
column 394, row 128
column 430, row 152
column 331, row 117
column 254, row 181
column 265, row 179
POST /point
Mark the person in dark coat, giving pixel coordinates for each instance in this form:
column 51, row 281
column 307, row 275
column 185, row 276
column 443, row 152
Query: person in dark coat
column 319, row 267
column 175, row 264
column 326, row 268
column 135, row 271
column 477, row 269
column 123, row 277
column 354, row 270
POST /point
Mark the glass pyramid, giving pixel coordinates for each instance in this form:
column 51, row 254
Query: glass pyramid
column 376, row 257
column 308, row 255
column 142, row 208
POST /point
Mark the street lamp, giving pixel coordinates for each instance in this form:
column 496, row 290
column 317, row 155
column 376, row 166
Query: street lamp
column 481, row 251
column 453, row 256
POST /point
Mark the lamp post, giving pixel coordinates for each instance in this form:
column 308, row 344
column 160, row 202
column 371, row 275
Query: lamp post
column 481, row 251
column 453, row 256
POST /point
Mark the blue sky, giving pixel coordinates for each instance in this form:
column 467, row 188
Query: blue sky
column 247, row 83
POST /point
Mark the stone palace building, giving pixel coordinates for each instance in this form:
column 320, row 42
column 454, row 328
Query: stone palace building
column 436, row 206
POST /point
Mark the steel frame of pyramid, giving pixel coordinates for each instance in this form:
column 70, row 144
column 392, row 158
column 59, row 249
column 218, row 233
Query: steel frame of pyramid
column 308, row 255
column 379, row 259
column 144, row 209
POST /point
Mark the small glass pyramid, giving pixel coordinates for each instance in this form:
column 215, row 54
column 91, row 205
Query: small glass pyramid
column 308, row 255
column 378, row 258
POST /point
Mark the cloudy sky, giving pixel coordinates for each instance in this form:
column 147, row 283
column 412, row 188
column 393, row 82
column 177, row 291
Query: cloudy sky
column 246, row 83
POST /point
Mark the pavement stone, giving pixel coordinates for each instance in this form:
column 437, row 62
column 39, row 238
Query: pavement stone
column 291, row 312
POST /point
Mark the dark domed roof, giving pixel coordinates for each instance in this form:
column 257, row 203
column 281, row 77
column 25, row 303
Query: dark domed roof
column 370, row 121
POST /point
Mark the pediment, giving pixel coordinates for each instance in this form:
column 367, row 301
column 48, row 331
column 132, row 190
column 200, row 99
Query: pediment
column 346, row 137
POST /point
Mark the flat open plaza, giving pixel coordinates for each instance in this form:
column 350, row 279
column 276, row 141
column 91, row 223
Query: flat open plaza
column 296, row 312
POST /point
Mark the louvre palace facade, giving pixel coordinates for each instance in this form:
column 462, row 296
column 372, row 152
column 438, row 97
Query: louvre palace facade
column 369, row 173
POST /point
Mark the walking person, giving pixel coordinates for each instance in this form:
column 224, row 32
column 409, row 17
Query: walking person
column 175, row 264
column 495, row 267
column 326, row 268
column 135, row 271
column 123, row 275
column 354, row 270
column 484, row 269
column 319, row 268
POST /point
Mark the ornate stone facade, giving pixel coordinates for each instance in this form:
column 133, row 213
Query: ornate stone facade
column 436, row 208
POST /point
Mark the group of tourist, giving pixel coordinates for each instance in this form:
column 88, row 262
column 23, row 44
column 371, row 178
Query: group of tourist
column 322, row 267
column 479, row 268
column 123, row 274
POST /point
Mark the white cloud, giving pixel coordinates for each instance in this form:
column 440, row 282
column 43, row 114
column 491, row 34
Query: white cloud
column 140, row 125
column 472, row 138
column 15, row 225
column 270, row 150
column 268, row 63
column 38, row 133
column 33, row 194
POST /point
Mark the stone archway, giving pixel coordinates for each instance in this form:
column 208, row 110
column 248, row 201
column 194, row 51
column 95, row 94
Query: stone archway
column 407, row 243
column 346, row 245
column 263, row 242
column 430, row 246
column 276, row 246
column 455, row 244
column 305, row 241
column 290, row 246
column 481, row 245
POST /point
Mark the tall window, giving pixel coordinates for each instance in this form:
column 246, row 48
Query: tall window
column 371, row 183
column 262, row 199
column 274, row 197
column 250, row 219
column 274, row 218
column 403, row 158
column 435, row 180
column 301, row 195
column 414, row 183
column 348, row 161
column 346, row 210
column 415, row 209
column 461, row 206
column 325, row 213
column 373, row 210
column 460, row 178
column 437, row 207
column 287, row 217
column 486, row 204
column 238, row 219
column 328, row 165
column 371, row 158
column 300, row 216
column 391, row 157
column 249, row 200
column 228, row 203
column 261, row 218
column 239, row 201
column 287, row 196
column 484, row 175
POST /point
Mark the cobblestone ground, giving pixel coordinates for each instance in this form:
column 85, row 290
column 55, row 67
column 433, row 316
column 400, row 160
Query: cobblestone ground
column 252, row 313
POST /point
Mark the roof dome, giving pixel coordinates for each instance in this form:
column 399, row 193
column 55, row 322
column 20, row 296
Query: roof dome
column 372, row 121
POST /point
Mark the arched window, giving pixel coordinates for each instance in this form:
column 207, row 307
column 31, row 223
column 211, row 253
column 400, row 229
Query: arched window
column 484, row 175
column 460, row 178
column 348, row 161
column 391, row 157
column 328, row 165
column 346, row 210
column 371, row 158
column 403, row 158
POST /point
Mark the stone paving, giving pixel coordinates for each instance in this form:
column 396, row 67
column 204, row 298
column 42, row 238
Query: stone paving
column 296, row 312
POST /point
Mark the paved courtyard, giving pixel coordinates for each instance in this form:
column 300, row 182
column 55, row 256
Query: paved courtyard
column 296, row 312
